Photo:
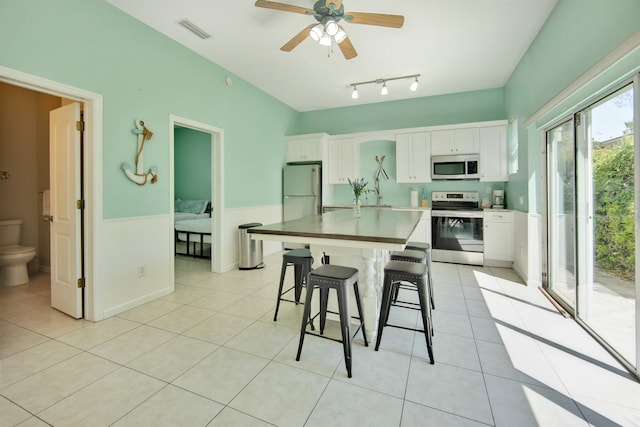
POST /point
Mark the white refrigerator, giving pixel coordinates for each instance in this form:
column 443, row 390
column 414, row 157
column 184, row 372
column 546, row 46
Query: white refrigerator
column 301, row 193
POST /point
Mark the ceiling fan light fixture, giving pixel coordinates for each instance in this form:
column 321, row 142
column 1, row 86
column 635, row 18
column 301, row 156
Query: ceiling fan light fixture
column 331, row 27
column 340, row 36
column 384, row 89
column 414, row 85
column 316, row 32
column 354, row 94
column 325, row 40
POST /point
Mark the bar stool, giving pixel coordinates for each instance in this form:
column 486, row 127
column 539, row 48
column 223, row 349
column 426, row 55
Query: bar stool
column 415, row 273
column 410, row 255
column 336, row 277
column 301, row 261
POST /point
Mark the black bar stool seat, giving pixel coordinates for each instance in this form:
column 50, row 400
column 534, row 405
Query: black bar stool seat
column 412, row 253
column 416, row 274
column 336, row 277
column 409, row 255
column 418, row 246
column 302, row 262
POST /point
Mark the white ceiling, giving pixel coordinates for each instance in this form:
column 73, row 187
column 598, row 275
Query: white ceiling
column 456, row 45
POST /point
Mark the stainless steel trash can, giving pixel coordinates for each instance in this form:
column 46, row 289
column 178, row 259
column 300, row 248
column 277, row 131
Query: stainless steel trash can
column 250, row 255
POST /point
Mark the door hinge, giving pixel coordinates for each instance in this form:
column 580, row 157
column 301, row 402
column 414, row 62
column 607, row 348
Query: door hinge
column 80, row 125
column 81, row 282
column 80, row 204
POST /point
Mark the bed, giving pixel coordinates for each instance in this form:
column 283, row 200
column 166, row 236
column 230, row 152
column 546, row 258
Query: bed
column 196, row 233
column 192, row 224
column 191, row 209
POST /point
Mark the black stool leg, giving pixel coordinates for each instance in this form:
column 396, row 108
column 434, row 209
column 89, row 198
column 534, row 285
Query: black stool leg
column 305, row 316
column 282, row 273
column 424, row 310
column 324, row 299
column 356, row 292
column 433, row 305
column 345, row 326
column 384, row 307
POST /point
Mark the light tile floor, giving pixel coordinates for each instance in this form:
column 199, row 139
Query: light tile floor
column 210, row 354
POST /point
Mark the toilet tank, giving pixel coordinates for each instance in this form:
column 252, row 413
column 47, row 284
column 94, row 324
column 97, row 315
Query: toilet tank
column 10, row 232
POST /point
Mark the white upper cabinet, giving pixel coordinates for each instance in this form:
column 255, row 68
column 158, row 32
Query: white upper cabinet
column 413, row 154
column 493, row 154
column 306, row 148
column 455, row 141
column 344, row 160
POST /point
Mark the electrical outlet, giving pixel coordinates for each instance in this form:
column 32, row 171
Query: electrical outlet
column 141, row 271
column 521, row 200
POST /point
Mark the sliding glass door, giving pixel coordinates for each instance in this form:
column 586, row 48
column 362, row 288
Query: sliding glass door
column 562, row 213
column 591, row 220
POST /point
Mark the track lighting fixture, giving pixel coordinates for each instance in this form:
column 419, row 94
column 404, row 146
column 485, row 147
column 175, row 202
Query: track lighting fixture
column 384, row 90
column 414, row 85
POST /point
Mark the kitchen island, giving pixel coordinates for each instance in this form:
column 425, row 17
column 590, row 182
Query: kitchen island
column 362, row 243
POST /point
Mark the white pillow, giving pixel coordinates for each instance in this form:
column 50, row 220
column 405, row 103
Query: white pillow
column 191, row 206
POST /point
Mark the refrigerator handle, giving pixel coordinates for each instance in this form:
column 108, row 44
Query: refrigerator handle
column 314, row 180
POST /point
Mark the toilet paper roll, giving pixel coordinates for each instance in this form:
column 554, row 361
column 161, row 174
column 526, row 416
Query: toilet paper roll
column 414, row 198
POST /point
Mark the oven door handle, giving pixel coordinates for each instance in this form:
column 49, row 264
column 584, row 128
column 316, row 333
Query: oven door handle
column 456, row 214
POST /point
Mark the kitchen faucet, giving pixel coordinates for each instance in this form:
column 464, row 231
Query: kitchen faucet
column 379, row 171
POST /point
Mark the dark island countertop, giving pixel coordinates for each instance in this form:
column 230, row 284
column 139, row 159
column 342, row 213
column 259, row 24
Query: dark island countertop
column 384, row 226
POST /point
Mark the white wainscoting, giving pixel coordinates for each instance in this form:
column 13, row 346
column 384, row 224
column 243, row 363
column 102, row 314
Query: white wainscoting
column 528, row 247
column 126, row 245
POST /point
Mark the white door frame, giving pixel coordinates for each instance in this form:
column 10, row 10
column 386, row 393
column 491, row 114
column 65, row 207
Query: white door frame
column 92, row 162
column 217, row 184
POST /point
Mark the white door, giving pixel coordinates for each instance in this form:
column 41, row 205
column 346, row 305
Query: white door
column 66, row 248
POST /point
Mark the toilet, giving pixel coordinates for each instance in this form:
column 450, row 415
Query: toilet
column 13, row 256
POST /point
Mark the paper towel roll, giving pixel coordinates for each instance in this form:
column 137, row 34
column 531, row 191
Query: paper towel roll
column 414, row 198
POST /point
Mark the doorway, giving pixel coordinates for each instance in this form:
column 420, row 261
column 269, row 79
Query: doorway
column 592, row 184
column 91, row 168
column 216, row 140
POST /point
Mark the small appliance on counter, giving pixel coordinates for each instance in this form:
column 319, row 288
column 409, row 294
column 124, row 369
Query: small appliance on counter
column 498, row 199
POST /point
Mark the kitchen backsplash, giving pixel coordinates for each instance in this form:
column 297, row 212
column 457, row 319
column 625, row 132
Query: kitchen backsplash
column 399, row 194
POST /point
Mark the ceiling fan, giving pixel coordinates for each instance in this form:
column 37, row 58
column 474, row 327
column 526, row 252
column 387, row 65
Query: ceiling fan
column 329, row 14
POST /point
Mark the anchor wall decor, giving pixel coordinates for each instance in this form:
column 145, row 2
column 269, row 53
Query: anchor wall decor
column 140, row 177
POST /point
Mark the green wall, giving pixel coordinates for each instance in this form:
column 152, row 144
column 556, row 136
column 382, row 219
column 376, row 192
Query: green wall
column 455, row 108
column 575, row 37
column 192, row 164
column 141, row 73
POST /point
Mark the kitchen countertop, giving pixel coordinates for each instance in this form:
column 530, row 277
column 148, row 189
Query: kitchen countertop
column 375, row 226
column 391, row 207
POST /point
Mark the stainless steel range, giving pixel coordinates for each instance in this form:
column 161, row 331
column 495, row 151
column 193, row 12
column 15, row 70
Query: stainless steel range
column 456, row 228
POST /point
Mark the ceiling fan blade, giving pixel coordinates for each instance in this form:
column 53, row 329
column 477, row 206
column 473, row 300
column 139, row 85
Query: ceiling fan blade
column 347, row 49
column 297, row 39
column 282, row 6
column 380, row 19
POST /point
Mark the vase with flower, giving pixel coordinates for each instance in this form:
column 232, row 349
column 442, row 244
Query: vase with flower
column 358, row 188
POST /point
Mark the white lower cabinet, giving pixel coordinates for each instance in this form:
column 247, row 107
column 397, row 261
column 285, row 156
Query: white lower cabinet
column 498, row 238
column 422, row 233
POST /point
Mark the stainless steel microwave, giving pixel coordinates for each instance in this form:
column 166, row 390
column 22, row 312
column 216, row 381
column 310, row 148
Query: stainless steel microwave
column 455, row 167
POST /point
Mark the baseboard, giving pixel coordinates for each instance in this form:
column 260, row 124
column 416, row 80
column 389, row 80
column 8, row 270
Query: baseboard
column 135, row 303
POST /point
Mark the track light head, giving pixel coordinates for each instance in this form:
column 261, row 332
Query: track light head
column 384, row 89
column 414, row 85
column 354, row 94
